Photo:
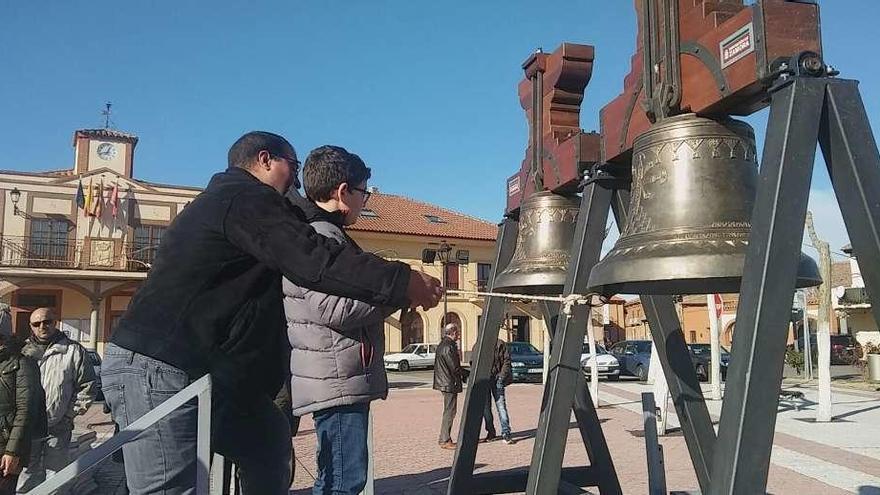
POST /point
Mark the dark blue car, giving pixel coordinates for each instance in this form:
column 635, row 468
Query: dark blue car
column 526, row 362
column 634, row 357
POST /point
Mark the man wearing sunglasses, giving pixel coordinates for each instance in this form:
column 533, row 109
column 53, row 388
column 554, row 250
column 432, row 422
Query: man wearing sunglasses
column 212, row 303
column 68, row 379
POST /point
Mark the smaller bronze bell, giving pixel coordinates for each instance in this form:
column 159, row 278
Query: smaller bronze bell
column 540, row 260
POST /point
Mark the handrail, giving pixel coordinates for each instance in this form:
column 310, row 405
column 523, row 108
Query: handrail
column 207, row 483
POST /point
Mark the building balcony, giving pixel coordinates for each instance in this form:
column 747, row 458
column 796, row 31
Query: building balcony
column 854, row 296
column 81, row 254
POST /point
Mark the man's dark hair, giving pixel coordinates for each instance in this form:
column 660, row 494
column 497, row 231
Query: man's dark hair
column 329, row 166
column 244, row 151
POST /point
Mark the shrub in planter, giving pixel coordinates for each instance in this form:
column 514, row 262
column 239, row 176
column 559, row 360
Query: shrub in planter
column 795, row 359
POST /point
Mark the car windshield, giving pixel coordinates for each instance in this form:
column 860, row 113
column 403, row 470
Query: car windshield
column 409, row 349
column 643, row 346
column 706, row 348
column 522, row 348
column 599, row 349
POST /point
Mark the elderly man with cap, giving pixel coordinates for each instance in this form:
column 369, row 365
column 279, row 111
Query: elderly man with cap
column 68, row 379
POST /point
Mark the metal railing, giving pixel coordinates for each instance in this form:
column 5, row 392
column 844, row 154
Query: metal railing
column 36, row 252
column 208, row 481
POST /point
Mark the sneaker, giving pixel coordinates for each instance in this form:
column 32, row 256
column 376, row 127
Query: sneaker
column 450, row 445
column 508, row 439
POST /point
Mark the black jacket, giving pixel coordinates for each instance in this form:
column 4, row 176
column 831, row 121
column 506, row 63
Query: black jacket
column 448, row 372
column 501, row 364
column 22, row 403
column 212, row 302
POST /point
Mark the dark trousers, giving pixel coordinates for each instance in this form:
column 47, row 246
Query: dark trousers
column 450, row 402
column 7, row 484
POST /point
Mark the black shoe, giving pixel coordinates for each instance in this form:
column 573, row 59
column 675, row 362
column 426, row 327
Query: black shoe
column 508, row 439
column 491, row 437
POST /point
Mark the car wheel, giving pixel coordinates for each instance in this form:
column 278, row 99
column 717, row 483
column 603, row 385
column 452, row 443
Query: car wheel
column 701, row 373
column 642, row 373
column 403, row 366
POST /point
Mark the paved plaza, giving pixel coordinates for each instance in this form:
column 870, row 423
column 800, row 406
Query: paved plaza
column 808, row 458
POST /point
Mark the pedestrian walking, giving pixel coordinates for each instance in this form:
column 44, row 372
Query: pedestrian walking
column 68, row 379
column 212, row 303
column 500, row 377
column 448, row 377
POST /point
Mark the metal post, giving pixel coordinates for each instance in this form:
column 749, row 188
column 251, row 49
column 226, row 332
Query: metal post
column 477, row 394
column 853, row 162
column 808, row 347
column 594, row 365
column 748, row 417
column 656, row 468
column 93, row 323
column 203, row 442
column 565, row 352
column 715, row 343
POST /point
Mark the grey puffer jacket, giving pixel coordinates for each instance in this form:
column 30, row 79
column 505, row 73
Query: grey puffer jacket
column 337, row 343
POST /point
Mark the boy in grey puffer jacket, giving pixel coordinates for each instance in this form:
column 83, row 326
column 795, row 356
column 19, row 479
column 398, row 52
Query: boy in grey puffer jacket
column 337, row 343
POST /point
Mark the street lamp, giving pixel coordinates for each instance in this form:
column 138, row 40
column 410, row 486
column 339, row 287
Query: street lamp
column 15, row 195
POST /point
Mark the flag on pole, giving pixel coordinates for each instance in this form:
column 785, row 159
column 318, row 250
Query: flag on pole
column 80, row 196
column 88, row 205
column 98, row 201
column 719, row 305
column 114, row 199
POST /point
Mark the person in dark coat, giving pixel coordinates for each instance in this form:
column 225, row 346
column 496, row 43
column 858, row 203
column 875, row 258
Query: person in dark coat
column 499, row 378
column 22, row 409
column 448, row 377
column 212, row 304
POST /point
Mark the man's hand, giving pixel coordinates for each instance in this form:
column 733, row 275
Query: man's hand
column 424, row 290
column 9, row 465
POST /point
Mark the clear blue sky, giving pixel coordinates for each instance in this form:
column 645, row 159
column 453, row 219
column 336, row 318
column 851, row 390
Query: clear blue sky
column 425, row 92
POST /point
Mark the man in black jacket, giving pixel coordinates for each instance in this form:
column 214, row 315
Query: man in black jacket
column 448, row 375
column 212, row 304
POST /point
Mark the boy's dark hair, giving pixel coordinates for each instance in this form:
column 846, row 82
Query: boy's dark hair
column 245, row 149
column 329, row 166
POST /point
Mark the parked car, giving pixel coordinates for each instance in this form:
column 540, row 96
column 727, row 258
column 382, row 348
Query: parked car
column 634, row 357
column 701, row 356
column 412, row 356
column 843, row 348
column 95, row 359
column 526, row 362
column 606, row 364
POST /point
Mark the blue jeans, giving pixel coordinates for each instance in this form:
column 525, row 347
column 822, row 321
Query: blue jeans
column 162, row 460
column 497, row 390
column 342, row 449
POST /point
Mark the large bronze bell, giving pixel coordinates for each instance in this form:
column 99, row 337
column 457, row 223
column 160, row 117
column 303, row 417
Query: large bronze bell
column 693, row 188
column 540, row 259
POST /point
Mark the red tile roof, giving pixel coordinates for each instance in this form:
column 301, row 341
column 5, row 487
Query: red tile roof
column 402, row 215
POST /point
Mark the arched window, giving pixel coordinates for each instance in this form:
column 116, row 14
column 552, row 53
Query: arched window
column 412, row 329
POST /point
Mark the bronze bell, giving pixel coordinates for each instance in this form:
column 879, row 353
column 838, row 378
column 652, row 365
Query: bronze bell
column 540, row 259
column 693, row 188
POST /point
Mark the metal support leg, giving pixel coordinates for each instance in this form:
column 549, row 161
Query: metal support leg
column 566, row 349
column 656, row 468
column 674, row 357
column 588, row 422
column 854, row 166
column 748, row 418
column 477, row 394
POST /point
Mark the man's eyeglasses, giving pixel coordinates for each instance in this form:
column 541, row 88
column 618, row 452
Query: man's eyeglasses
column 38, row 324
column 362, row 191
column 291, row 162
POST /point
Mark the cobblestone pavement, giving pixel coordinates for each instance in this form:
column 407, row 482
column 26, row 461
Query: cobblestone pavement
column 808, row 458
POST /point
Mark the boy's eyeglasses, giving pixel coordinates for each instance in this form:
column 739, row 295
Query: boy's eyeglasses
column 38, row 324
column 362, row 191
